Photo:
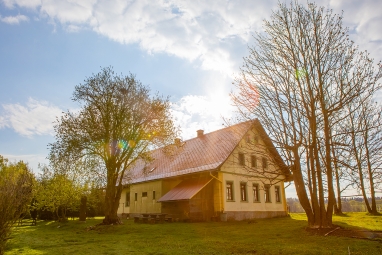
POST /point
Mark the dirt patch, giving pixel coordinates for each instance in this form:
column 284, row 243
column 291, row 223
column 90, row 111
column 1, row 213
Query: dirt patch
column 353, row 233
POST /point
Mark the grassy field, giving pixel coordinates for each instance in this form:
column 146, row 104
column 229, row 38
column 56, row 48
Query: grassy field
column 266, row 236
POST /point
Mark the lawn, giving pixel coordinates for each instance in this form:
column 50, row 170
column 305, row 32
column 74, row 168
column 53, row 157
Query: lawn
column 265, row 236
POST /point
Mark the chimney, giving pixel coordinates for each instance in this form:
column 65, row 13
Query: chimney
column 200, row 133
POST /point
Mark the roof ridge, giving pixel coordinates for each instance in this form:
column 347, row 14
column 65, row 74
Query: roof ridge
column 206, row 134
column 218, row 130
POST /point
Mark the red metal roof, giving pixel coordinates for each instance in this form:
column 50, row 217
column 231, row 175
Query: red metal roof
column 185, row 190
column 195, row 155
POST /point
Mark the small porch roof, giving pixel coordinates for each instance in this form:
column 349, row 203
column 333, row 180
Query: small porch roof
column 185, row 190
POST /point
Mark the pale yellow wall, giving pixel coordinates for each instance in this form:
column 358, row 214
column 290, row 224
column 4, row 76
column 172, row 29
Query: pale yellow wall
column 218, row 193
column 249, row 205
column 122, row 207
column 232, row 171
column 169, row 184
column 145, row 204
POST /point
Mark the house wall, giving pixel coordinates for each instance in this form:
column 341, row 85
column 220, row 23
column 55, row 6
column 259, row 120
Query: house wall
column 123, row 208
column 233, row 172
column 202, row 204
column 237, row 209
column 144, row 202
column 218, row 194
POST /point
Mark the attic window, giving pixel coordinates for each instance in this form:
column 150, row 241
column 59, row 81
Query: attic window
column 253, row 161
column 265, row 163
column 248, row 138
column 241, row 159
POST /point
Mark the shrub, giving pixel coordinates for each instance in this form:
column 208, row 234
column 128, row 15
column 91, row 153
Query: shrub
column 16, row 183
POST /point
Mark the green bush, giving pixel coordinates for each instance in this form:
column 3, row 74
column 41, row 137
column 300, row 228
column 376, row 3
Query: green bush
column 16, row 183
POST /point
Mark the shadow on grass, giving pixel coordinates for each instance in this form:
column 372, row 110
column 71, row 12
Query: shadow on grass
column 341, row 215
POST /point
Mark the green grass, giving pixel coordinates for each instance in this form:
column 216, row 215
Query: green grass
column 266, row 236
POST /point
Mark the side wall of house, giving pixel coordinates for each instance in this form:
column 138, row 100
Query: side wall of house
column 124, row 203
column 143, row 198
column 243, row 180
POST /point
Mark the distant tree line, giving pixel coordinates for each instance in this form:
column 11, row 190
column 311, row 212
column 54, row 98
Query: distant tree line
column 353, row 204
column 58, row 196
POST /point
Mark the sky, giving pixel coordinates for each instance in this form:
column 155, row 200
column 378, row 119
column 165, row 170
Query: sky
column 188, row 50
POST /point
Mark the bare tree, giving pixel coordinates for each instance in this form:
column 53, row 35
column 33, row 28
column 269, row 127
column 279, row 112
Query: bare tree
column 118, row 122
column 364, row 158
column 16, row 184
column 298, row 79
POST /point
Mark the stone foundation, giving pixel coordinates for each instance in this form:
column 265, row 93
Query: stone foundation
column 239, row 216
column 229, row 215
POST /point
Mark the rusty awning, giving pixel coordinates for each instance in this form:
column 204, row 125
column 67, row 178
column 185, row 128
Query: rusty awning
column 185, row 190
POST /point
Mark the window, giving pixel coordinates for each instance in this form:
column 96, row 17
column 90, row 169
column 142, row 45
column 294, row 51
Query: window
column 277, row 194
column 243, row 191
column 241, row 159
column 144, row 194
column 265, row 163
column 136, row 197
column 253, row 161
column 248, row 139
column 255, row 191
column 127, row 199
column 229, row 187
column 267, row 194
column 153, row 194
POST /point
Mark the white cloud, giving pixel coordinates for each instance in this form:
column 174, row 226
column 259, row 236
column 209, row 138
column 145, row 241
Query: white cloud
column 22, row 3
column 193, row 30
column 14, row 19
column 36, row 118
column 204, row 31
column 194, row 112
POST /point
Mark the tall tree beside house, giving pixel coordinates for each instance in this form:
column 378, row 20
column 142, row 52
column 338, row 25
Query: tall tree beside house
column 298, row 80
column 118, row 122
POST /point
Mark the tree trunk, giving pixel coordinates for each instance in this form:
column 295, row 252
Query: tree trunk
column 371, row 181
column 111, row 205
column 338, row 204
column 112, row 197
column 83, row 208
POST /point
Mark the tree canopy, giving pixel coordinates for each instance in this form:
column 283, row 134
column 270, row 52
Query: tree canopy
column 118, row 122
